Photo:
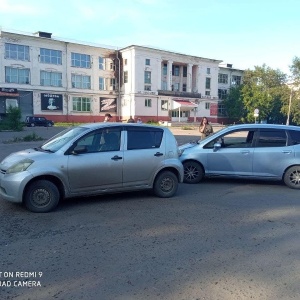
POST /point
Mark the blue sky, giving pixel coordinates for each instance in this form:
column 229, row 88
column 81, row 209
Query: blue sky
column 245, row 33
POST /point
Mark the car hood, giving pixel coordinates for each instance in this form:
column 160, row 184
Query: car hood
column 187, row 145
column 21, row 155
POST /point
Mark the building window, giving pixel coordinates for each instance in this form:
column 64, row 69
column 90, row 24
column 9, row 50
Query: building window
column 51, row 78
column 148, row 102
column 125, row 61
column 165, row 69
column 147, row 77
column 81, row 81
column 125, row 76
column 207, row 93
column 184, row 70
column 112, row 83
column 223, row 78
column 175, row 70
column 175, row 87
column 207, row 105
column 147, row 87
column 16, row 75
column 49, row 56
column 101, row 63
column 80, row 60
column 82, row 104
column 17, row 52
column 112, row 66
column 184, row 87
column 221, row 110
column 236, row 80
column 207, row 82
column 102, row 83
column 164, row 86
column 222, row 93
column 147, row 62
column 208, row 71
column 164, row 104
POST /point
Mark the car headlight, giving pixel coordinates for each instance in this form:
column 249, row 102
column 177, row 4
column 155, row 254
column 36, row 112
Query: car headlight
column 20, row 166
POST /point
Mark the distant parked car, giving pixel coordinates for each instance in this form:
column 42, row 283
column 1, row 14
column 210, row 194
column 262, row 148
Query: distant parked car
column 38, row 121
column 93, row 159
column 249, row 151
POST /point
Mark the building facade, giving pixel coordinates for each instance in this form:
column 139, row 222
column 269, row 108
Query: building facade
column 72, row 82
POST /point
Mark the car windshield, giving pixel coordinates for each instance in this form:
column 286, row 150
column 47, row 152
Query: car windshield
column 62, row 138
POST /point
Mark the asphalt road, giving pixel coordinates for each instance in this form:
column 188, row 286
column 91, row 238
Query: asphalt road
column 220, row 239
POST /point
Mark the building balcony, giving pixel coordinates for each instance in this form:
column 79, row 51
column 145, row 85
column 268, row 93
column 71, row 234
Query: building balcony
column 179, row 94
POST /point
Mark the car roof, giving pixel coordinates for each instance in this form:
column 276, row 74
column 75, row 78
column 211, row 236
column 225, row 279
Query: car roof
column 264, row 126
column 113, row 124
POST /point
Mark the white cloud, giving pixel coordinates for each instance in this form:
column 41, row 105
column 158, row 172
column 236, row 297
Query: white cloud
column 13, row 7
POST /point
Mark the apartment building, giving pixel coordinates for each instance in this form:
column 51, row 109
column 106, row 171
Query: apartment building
column 68, row 81
column 62, row 80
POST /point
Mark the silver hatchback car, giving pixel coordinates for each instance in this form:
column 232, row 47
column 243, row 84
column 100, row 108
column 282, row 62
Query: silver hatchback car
column 92, row 159
column 253, row 151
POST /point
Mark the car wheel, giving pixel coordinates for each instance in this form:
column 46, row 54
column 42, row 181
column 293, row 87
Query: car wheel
column 292, row 177
column 32, row 124
column 165, row 185
column 193, row 172
column 49, row 124
column 42, row 196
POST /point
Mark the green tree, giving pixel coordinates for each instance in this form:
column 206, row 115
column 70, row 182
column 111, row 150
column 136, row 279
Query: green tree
column 265, row 89
column 234, row 104
column 294, row 92
column 13, row 119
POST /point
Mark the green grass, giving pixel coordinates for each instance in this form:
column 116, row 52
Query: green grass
column 28, row 138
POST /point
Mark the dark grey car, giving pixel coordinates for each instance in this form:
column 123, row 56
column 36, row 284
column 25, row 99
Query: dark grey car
column 31, row 121
column 256, row 151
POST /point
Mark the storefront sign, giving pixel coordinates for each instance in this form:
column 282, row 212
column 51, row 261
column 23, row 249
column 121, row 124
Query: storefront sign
column 9, row 92
column 51, row 101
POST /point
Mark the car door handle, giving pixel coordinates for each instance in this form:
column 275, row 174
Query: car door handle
column 158, row 154
column 287, row 151
column 245, row 152
column 116, row 157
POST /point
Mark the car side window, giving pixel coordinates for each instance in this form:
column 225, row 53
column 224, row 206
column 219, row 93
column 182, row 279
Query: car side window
column 234, row 139
column 294, row 137
column 144, row 138
column 271, row 138
column 103, row 140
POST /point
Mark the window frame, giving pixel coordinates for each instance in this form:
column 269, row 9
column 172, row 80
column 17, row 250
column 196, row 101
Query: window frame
column 54, row 56
column 17, row 75
column 21, row 52
column 80, row 60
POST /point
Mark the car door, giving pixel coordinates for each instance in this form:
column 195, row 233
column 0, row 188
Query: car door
column 98, row 164
column 234, row 157
column 272, row 153
column 144, row 155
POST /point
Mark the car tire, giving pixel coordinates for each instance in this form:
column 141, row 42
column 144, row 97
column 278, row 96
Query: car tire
column 41, row 196
column 292, row 177
column 165, row 184
column 32, row 124
column 49, row 124
column 193, row 172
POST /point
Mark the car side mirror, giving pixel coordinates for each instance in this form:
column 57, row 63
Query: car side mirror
column 217, row 146
column 79, row 149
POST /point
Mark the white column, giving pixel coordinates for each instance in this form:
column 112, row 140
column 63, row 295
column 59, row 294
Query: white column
column 169, row 75
column 189, row 78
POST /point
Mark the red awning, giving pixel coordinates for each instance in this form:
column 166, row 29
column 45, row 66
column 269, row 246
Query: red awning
column 184, row 104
